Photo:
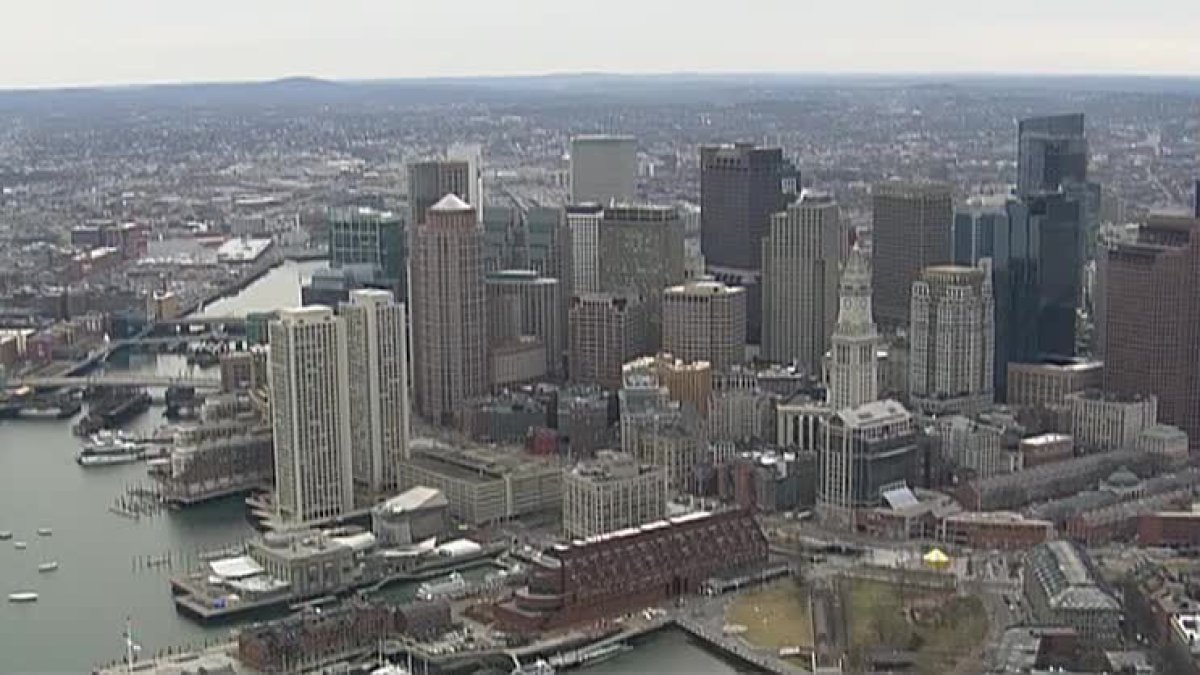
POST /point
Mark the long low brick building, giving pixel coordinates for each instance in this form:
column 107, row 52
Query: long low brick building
column 630, row 569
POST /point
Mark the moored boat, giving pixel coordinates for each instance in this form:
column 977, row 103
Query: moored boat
column 6, row 535
column 25, row 596
column 45, row 532
column 48, row 566
column 20, row 545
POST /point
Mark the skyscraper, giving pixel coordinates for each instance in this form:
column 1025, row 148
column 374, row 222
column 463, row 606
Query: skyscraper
column 377, row 346
column 523, row 303
column 975, row 225
column 800, row 282
column 1036, row 281
column 606, row 330
column 912, row 224
column 449, row 324
column 741, row 187
column 1152, row 319
column 583, row 225
column 1196, row 198
column 705, row 321
column 371, row 243
column 310, row 415
column 1052, row 152
column 430, row 180
column 603, row 169
column 951, row 350
column 854, row 356
column 641, row 253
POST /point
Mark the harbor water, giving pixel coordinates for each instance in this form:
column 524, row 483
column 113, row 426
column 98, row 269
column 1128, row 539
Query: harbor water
column 103, row 577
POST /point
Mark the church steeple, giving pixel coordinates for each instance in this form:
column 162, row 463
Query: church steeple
column 854, row 365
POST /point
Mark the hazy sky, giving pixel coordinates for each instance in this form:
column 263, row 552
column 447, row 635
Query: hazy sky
column 66, row 42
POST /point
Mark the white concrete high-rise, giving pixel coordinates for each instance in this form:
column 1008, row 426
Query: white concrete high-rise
column 952, row 340
column 854, row 357
column 377, row 342
column 603, row 169
column 705, row 320
column 583, row 227
column 310, row 415
column 800, row 282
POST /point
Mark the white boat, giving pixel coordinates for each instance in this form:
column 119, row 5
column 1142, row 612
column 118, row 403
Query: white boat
column 45, row 532
column 109, row 447
column 23, row 597
column 48, row 566
column 390, row 669
column 446, row 588
column 5, row 535
column 539, row 667
column 20, row 545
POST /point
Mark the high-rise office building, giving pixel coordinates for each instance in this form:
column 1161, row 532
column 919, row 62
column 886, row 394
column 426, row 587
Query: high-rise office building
column 472, row 154
column 371, row 243
column 501, row 233
column 523, row 303
column 912, row 225
column 1036, row 282
column 430, row 180
column 1196, row 198
column 606, row 330
column 449, row 319
column 865, row 451
column 1052, row 152
column 377, row 346
column 975, row 225
column 950, row 348
column 800, row 282
column 641, row 253
column 548, row 243
column 583, row 226
column 854, row 354
column 310, row 415
column 705, row 321
column 1152, row 319
column 741, row 187
column 603, row 169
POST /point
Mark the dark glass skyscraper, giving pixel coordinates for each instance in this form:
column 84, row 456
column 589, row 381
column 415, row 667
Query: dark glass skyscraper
column 1051, row 152
column 1036, row 258
column 741, row 186
column 1196, row 199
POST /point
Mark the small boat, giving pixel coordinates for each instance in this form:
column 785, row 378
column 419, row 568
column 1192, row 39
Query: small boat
column 23, row 597
column 48, row 566
column 45, row 532
column 5, row 535
column 20, row 545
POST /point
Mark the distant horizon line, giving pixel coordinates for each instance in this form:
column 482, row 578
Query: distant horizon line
column 627, row 75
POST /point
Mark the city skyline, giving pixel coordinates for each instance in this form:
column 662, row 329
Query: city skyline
column 230, row 42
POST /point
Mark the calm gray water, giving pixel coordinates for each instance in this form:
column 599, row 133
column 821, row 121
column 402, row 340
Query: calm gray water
column 80, row 616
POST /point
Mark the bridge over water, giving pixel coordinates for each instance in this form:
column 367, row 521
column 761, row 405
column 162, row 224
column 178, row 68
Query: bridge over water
column 120, row 380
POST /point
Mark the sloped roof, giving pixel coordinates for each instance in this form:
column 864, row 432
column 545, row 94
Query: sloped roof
column 450, row 202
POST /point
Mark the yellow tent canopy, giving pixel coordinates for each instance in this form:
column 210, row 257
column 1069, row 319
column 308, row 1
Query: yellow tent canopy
column 936, row 559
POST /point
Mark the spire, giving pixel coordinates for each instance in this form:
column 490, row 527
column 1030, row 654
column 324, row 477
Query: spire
column 854, row 310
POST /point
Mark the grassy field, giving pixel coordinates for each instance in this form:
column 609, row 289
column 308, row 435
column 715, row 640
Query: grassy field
column 945, row 631
column 775, row 616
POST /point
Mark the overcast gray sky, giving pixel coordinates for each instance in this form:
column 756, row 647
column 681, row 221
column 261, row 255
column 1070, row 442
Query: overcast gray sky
column 72, row 42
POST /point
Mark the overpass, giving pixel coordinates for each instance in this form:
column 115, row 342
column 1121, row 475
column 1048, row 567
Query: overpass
column 120, row 380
